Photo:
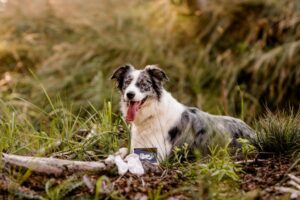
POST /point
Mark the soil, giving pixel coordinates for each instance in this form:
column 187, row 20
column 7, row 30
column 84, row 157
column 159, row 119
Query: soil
column 259, row 177
column 156, row 181
column 264, row 174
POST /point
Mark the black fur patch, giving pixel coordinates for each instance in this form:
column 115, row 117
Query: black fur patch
column 173, row 134
column 120, row 74
column 176, row 131
column 156, row 72
column 200, row 132
column 157, row 87
column 157, row 76
column 235, row 129
column 238, row 134
column 193, row 110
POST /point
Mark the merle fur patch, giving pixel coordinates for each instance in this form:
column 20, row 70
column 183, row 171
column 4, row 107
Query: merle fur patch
column 127, row 80
column 144, row 82
column 176, row 131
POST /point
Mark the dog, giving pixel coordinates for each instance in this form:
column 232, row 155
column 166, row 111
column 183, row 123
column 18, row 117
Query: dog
column 159, row 121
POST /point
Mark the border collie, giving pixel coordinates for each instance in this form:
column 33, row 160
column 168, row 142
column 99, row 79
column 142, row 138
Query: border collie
column 159, row 121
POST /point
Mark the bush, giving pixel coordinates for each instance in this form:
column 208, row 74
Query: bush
column 278, row 133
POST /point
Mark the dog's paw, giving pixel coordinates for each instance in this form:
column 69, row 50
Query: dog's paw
column 122, row 152
column 135, row 166
column 122, row 166
column 110, row 160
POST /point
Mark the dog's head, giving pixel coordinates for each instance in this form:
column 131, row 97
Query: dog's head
column 138, row 86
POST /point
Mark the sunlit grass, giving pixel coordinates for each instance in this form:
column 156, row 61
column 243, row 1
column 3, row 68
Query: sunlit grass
column 62, row 131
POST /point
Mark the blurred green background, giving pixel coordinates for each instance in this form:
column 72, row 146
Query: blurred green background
column 235, row 57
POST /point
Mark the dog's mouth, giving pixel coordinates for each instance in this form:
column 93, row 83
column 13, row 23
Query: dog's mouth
column 133, row 108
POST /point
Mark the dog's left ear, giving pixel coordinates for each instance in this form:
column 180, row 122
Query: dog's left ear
column 120, row 73
column 156, row 72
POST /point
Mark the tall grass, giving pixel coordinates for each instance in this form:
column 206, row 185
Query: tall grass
column 61, row 133
column 278, row 133
column 212, row 53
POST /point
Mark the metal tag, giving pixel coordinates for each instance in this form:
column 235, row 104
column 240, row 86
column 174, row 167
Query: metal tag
column 147, row 154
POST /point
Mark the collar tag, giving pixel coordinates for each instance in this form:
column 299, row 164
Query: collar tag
column 147, row 154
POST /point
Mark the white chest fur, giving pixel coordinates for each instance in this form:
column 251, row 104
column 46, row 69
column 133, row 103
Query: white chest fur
column 151, row 126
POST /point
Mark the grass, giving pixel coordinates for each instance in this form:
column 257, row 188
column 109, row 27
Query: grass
column 220, row 165
column 62, row 131
column 278, row 133
column 59, row 133
column 211, row 54
column 69, row 136
column 230, row 57
column 63, row 189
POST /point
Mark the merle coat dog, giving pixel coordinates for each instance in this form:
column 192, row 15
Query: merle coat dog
column 158, row 120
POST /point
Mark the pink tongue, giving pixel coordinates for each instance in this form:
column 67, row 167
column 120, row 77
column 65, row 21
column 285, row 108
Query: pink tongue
column 131, row 112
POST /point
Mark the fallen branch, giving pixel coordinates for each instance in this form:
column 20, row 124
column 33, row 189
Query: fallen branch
column 294, row 193
column 296, row 185
column 248, row 161
column 294, row 178
column 53, row 165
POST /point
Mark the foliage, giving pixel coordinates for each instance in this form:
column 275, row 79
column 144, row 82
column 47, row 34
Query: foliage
column 278, row 133
column 256, row 48
column 180, row 154
column 220, row 164
column 104, row 187
column 61, row 133
column 155, row 195
column 61, row 190
column 213, row 53
column 246, row 147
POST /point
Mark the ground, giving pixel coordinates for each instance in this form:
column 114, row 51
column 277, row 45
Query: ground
column 258, row 179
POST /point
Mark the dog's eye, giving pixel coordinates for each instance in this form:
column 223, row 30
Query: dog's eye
column 141, row 84
column 127, row 82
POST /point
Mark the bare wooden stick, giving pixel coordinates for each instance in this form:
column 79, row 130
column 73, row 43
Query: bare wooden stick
column 294, row 178
column 53, row 165
column 294, row 193
column 248, row 161
column 296, row 185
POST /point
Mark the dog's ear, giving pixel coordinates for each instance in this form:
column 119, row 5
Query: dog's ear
column 156, row 72
column 120, row 73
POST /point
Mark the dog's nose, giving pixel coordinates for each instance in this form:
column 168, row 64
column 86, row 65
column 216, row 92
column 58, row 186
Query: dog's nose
column 130, row 95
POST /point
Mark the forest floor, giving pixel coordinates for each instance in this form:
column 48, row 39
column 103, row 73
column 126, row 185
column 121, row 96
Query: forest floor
column 258, row 180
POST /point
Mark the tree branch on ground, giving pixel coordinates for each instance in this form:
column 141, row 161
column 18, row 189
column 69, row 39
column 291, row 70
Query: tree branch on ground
column 53, row 165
